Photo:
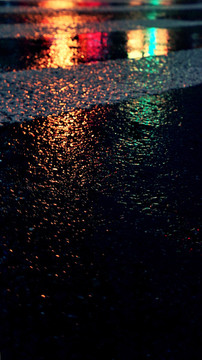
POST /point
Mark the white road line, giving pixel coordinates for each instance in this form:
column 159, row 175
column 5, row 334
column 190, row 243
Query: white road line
column 30, row 93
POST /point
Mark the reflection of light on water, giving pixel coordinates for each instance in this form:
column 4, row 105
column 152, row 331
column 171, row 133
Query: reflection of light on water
column 147, row 42
column 152, row 41
column 160, row 2
column 91, row 3
column 61, row 51
column 155, row 2
column 62, row 4
column 66, row 49
column 93, row 46
column 59, row 4
column 158, row 41
column 136, row 43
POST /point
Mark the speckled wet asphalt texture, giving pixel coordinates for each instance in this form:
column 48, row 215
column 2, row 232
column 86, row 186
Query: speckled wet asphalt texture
column 100, row 250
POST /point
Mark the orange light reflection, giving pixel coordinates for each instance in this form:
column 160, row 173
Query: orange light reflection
column 59, row 4
column 61, row 51
column 62, row 43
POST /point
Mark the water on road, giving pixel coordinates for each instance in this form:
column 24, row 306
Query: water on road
column 100, row 109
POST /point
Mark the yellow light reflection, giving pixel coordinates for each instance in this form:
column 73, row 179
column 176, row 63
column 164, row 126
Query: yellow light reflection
column 61, row 51
column 147, row 42
column 61, row 43
column 136, row 44
column 59, row 4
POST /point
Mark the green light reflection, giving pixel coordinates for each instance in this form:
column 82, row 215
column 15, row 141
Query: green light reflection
column 152, row 41
column 155, row 2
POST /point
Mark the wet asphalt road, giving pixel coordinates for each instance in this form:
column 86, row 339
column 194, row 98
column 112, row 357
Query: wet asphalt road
column 100, row 251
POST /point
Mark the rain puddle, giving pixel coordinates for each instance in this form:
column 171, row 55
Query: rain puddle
column 63, row 50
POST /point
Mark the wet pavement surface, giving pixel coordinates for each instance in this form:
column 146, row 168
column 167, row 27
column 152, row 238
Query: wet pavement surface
column 100, row 251
column 20, row 54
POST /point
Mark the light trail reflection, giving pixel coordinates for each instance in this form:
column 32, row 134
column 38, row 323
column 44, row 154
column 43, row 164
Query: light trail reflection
column 62, row 4
column 65, row 50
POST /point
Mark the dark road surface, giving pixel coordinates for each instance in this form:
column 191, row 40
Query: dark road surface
column 100, row 251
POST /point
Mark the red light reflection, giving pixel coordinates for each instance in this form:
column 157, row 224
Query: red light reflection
column 92, row 4
column 92, row 46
